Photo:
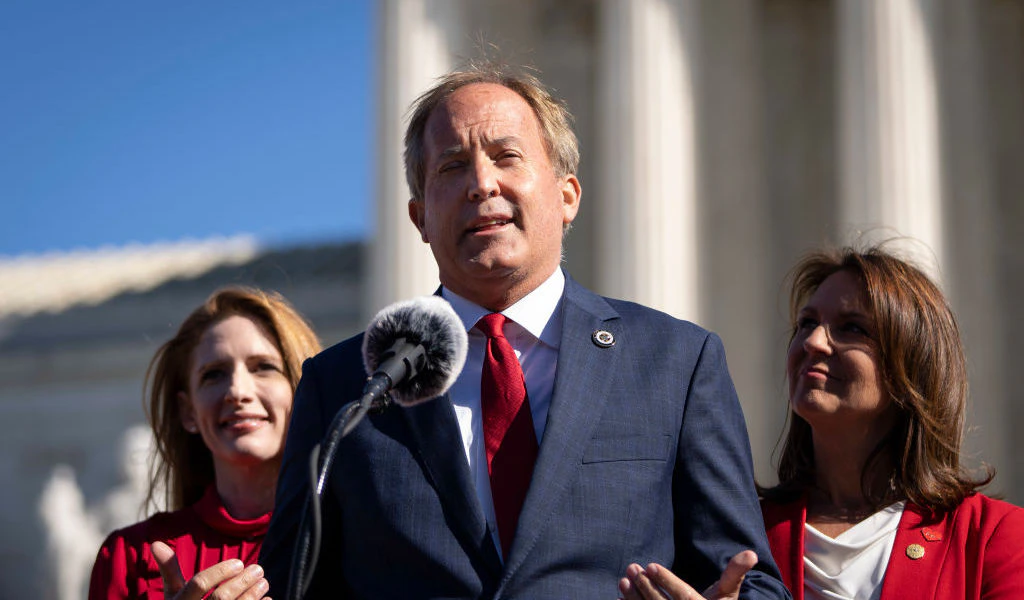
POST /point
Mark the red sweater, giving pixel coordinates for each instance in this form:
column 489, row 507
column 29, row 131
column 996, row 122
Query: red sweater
column 201, row 536
column 973, row 552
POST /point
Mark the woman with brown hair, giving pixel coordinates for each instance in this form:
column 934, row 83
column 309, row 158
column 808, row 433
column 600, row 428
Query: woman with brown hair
column 872, row 500
column 220, row 398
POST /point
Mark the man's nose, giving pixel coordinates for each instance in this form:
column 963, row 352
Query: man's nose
column 484, row 182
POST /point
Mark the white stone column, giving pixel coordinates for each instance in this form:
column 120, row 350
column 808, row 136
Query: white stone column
column 974, row 242
column 736, row 249
column 414, row 48
column 646, row 245
column 889, row 151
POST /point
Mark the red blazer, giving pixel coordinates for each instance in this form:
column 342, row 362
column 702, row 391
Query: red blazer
column 201, row 536
column 973, row 552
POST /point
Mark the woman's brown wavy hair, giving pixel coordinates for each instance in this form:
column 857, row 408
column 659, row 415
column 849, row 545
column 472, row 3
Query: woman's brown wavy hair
column 925, row 373
column 182, row 465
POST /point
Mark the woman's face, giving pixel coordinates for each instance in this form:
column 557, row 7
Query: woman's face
column 239, row 399
column 835, row 380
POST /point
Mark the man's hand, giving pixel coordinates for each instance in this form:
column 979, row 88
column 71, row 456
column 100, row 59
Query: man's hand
column 232, row 580
column 658, row 583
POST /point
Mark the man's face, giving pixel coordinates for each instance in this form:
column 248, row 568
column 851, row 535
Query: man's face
column 493, row 209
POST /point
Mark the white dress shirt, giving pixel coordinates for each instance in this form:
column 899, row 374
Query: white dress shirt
column 534, row 332
column 850, row 566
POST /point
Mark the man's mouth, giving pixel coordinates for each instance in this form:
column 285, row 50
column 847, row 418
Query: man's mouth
column 488, row 224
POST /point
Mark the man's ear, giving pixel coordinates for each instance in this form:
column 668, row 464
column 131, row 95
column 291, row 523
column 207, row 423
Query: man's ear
column 571, row 194
column 187, row 412
column 417, row 214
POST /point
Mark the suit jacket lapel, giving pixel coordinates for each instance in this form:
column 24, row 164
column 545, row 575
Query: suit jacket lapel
column 435, row 433
column 908, row 577
column 576, row 405
column 784, row 524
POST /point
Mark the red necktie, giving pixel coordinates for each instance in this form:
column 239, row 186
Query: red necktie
column 508, row 428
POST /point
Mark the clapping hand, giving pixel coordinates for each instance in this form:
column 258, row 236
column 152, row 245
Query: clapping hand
column 232, row 579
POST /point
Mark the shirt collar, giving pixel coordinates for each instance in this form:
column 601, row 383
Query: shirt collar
column 532, row 312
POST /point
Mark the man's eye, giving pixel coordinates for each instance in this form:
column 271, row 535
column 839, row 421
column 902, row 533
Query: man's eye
column 450, row 166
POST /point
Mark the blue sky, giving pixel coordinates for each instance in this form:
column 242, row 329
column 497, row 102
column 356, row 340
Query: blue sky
column 139, row 121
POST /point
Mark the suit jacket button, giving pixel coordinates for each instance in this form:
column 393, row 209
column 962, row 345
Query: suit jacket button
column 915, row 551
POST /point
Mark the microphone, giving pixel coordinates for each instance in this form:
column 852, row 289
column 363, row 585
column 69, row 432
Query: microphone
column 413, row 351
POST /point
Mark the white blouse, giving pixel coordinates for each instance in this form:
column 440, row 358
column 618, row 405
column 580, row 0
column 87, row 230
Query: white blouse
column 850, row 566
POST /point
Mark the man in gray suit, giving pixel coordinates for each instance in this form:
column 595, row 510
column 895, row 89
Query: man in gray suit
column 632, row 440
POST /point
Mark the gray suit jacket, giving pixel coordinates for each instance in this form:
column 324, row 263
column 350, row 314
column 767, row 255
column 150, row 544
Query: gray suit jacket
column 644, row 459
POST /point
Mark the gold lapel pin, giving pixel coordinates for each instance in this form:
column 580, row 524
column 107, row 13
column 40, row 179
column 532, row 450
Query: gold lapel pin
column 915, row 551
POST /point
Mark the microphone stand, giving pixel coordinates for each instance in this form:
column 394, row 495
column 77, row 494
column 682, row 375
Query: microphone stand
column 307, row 547
column 401, row 362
